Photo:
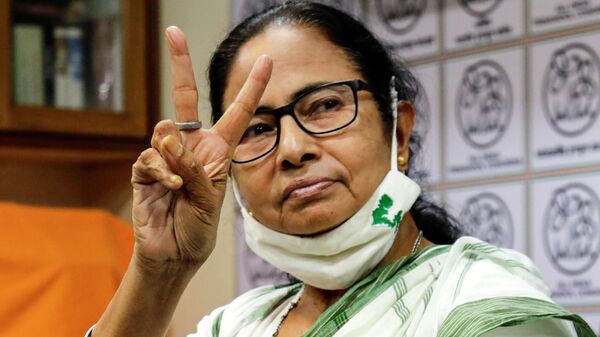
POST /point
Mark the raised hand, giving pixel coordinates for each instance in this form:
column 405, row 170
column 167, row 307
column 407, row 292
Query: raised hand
column 179, row 183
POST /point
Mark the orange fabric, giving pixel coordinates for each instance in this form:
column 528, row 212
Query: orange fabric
column 59, row 268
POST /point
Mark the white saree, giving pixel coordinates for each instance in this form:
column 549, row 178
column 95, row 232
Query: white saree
column 468, row 289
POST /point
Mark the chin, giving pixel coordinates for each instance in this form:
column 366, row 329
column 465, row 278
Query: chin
column 311, row 222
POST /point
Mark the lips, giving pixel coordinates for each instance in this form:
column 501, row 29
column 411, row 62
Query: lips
column 306, row 187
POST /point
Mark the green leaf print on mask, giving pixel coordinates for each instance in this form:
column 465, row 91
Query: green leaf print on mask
column 380, row 214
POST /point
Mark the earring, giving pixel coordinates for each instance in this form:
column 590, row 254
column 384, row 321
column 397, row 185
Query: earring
column 401, row 161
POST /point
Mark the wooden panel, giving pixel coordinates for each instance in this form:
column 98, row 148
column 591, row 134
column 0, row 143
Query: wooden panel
column 153, row 34
column 56, row 155
column 109, row 187
column 133, row 122
column 48, row 134
column 36, row 147
column 5, row 70
column 44, row 184
column 135, row 50
column 83, row 122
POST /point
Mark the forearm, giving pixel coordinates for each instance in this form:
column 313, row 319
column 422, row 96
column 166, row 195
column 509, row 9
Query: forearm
column 145, row 301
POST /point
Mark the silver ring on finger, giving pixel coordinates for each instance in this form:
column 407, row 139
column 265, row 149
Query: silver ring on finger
column 188, row 126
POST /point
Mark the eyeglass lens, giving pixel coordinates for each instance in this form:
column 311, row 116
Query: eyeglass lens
column 323, row 110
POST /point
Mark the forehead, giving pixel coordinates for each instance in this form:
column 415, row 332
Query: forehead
column 300, row 56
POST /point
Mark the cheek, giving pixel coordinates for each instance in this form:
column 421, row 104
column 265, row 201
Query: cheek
column 368, row 141
column 367, row 160
column 255, row 185
column 370, row 163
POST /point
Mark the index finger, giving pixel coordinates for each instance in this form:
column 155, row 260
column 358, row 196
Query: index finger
column 184, row 90
column 233, row 123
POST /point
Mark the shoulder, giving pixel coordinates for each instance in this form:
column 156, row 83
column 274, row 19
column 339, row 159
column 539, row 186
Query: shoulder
column 250, row 307
column 485, row 287
column 480, row 270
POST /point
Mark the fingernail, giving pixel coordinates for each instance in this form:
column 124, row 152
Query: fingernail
column 263, row 59
column 170, row 32
column 176, row 179
column 171, row 29
column 165, row 140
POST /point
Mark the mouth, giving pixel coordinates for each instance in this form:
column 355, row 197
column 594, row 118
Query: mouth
column 305, row 188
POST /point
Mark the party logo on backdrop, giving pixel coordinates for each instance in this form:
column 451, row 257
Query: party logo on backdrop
column 400, row 17
column 484, row 104
column 571, row 93
column 487, row 217
column 572, row 228
column 480, row 9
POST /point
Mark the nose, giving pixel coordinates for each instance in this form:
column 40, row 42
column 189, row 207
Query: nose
column 296, row 148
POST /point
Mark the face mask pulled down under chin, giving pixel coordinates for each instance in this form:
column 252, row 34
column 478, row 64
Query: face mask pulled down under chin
column 338, row 258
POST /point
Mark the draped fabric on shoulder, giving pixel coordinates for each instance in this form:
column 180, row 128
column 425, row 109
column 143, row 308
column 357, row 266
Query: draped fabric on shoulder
column 467, row 289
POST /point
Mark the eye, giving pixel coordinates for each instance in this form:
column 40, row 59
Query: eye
column 325, row 105
column 261, row 129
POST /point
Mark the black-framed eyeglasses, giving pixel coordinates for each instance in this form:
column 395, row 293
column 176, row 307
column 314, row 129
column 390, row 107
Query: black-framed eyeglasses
column 324, row 109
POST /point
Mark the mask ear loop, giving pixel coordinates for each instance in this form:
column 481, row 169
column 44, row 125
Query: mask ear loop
column 394, row 108
column 238, row 195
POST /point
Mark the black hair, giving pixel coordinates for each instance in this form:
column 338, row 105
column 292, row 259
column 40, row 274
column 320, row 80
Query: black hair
column 370, row 58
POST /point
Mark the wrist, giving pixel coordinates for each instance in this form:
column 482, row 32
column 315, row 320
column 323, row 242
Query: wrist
column 177, row 269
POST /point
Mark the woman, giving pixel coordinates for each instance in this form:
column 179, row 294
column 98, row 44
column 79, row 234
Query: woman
column 316, row 137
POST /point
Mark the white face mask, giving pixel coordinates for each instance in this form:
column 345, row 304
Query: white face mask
column 340, row 257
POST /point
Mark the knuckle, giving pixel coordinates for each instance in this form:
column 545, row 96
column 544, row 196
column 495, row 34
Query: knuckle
column 148, row 161
column 145, row 157
column 154, row 141
column 160, row 126
column 185, row 95
column 159, row 130
column 185, row 88
column 135, row 166
column 186, row 99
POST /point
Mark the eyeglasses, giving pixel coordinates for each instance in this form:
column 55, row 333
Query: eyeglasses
column 324, row 109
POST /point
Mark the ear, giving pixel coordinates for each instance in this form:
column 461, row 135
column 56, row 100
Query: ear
column 406, row 122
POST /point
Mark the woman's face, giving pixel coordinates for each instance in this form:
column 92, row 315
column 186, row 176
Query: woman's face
column 308, row 184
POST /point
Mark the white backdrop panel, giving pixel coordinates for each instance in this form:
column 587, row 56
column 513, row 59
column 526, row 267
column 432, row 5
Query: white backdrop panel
column 469, row 23
column 493, row 213
column 593, row 319
column 566, row 236
column 484, row 115
column 549, row 15
column 429, row 124
column 410, row 28
column 565, row 102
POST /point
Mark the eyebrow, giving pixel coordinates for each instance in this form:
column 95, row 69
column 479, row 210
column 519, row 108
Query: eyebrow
column 302, row 91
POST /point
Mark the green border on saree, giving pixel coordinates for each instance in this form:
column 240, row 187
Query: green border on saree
column 475, row 318
column 362, row 293
column 216, row 328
